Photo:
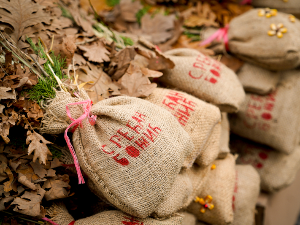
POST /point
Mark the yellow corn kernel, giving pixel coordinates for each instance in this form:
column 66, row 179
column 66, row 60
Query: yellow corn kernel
column 283, row 30
column 268, row 15
column 280, row 25
column 271, row 32
column 213, row 166
column 261, row 12
column 202, row 202
column 202, row 210
column 208, row 198
column 279, row 34
column 292, row 18
column 211, row 206
column 273, row 12
column 273, row 26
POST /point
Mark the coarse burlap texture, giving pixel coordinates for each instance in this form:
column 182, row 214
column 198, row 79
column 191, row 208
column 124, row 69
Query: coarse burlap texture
column 132, row 155
column 276, row 170
column 219, row 186
column 204, row 78
column 272, row 119
column 59, row 214
column 245, row 195
column 224, row 138
column 290, row 6
column 249, row 40
column 199, row 119
column 258, row 80
column 188, row 218
column 187, row 185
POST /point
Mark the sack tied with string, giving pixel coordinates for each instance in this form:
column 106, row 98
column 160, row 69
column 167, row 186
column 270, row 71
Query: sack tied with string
column 59, row 214
column 258, row 80
column 213, row 203
column 276, row 170
column 266, row 38
column 272, row 119
column 246, row 191
column 205, row 78
column 199, row 119
column 132, row 152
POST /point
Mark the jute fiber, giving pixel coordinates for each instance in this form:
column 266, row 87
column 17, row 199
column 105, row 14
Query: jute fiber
column 132, row 155
column 258, row 80
column 290, row 6
column 60, row 215
column 219, row 186
column 224, row 139
column 199, row 119
column 245, row 196
column 188, row 218
column 276, row 170
column 272, row 119
column 204, row 78
column 249, row 40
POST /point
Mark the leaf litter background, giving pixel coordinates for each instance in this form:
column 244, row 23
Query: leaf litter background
column 113, row 48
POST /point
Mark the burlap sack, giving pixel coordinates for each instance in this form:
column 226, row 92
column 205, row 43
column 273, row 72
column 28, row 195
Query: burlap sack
column 219, row 186
column 245, row 195
column 59, row 214
column 272, row 119
column 290, row 6
column 276, row 170
column 188, row 218
column 204, row 78
column 198, row 118
column 249, row 40
column 258, row 80
column 224, row 138
column 132, row 155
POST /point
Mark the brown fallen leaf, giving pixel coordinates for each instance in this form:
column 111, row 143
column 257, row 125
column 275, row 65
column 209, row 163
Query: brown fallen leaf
column 38, row 144
column 27, row 171
column 98, row 84
column 8, row 185
column 7, row 93
column 30, row 203
column 232, row 62
column 5, row 200
column 135, row 83
column 96, row 52
column 57, row 189
column 38, row 169
column 27, row 183
column 55, row 163
column 22, row 14
column 129, row 9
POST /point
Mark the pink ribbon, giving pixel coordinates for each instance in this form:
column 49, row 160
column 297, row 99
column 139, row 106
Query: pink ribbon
column 87, row 105
column 50, row 221
column 245, row 2
column 220, row 34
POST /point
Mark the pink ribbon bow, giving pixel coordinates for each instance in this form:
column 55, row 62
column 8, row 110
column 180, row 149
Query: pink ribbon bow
column 220, row 34
column 87, row 105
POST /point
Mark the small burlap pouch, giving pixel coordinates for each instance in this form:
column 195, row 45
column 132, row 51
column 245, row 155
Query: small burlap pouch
column 187, row 185
column 224, row 138
column 214, row 203
column 290, row 6
column 188, row 218
column 258, row 80
column 248, row 39
column 199, row 119
column 245, row 195
column 204, row 78
column 272, row 119
column 133, row 152
column 59, row 214
column 276, row 170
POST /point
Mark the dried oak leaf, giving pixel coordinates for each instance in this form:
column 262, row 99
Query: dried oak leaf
column 23, row 180
column 38, row 169
column 3, row 166
column 38, row 144
column 98, row 84
column 6, row 123
column 160, row 27
column 7, row 93
column 30, row 203
column 96, row 52
column 21, row 14
column 129, row 9
column 32, row 109
column 8, row 185
column 27, row 171
column 135, row 82
column 57, row 189
column 5, row 200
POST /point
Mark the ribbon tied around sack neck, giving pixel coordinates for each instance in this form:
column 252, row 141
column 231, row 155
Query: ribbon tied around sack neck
column 87, row 105
column 220, row 34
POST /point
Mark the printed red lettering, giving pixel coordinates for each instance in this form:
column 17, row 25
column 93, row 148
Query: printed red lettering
column 109, row 153
column 122, row 161
column 154, row 128
column 214, row 72
column 135, row 128
column 118, row 138
column 132, row 151
column 211, row 80
column 190, row 74
column 169, row 104
column 266, row 116
column 263, row 155
column 150, row 135
column 182, row 119
column 125, row 135
column 142, row 143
